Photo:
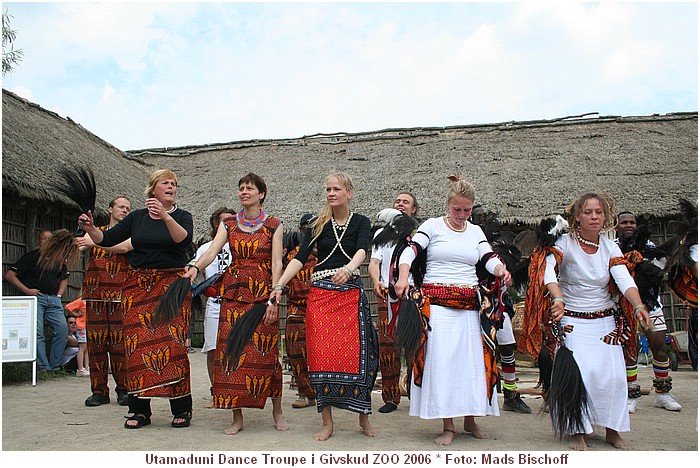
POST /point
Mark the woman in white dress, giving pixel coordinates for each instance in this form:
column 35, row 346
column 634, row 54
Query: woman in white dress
column 453, row 381
column 588, row 312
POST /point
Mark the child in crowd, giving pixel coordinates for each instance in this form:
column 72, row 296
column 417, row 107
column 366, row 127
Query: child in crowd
column 78, row 310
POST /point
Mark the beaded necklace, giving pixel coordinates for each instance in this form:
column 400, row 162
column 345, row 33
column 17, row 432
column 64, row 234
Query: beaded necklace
column 583, row 241
column 251, row 223
column 338, row 238
column 449, row 225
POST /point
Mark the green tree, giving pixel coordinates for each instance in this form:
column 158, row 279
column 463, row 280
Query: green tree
column 10, row 56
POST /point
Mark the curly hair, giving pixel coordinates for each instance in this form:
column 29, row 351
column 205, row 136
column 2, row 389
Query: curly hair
column 576, row 208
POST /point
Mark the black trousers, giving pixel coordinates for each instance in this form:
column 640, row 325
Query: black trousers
column 143, row 405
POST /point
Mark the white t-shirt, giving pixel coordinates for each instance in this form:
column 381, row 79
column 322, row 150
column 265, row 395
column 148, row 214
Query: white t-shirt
column 694, row 252
column 584, row 278
column 452, row 256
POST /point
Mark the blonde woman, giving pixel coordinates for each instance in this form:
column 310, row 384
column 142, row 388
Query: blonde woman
column 156, row 360
column 342, row 345
column 583, row 304
column 451, row 376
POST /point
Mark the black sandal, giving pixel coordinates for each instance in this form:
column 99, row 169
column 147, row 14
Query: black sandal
column 186, row 417
column 141, row 420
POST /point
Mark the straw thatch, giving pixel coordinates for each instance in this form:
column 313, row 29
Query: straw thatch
column 523, row 170
column 36, row 143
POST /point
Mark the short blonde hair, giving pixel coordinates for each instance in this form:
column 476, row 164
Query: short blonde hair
column 157, row 176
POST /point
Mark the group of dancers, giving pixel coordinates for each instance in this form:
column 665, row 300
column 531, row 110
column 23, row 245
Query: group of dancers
column 444, row 273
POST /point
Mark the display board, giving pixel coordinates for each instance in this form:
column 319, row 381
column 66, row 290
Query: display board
column 18, row 328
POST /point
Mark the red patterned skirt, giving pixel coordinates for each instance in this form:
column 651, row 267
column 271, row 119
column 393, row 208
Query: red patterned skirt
column 342, row 346
column 257, row 375
column 157, row 364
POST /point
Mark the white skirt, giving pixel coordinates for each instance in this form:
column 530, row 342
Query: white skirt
column 454, row 377
column 603, row 371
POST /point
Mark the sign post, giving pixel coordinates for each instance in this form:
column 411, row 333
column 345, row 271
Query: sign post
column 19, row 330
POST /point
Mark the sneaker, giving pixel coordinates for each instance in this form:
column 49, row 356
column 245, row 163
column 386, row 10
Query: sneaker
column 303, row 402
column 666, row 400
column 513, row 402
column 122, row 398
column 632, row 405
column 388, row 407
column 83, row 372
column 97, row 399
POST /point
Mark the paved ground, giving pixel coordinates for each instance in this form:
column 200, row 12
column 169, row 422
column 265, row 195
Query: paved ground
column 52, row 417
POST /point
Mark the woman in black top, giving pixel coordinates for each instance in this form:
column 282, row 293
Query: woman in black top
column 157, row 364
column 342, row 345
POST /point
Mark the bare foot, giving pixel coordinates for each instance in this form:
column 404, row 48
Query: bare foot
column 325, row 432
column 366, row 426
column 578, row 442
column 613, row 437
column 472, row 427
column 237, row 425
column 280, row 421
column 446, row 437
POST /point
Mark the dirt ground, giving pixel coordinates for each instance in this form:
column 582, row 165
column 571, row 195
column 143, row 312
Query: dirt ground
column 53, row 417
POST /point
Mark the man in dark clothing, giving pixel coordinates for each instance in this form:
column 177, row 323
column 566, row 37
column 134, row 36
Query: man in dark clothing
column 48, row 286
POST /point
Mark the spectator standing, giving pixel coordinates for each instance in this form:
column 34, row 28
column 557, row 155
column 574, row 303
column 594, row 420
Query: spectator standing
column 43, row 272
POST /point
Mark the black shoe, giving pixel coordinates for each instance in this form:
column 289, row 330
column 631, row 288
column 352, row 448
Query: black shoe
column 388, row 407
column 97, row 399
column 513, row 402
column 122, row 398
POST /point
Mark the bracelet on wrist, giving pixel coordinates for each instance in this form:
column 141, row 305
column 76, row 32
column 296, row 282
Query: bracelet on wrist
column 278, row 287
column 196, row 267
column 559, row 299
column 347, row 268
column 639, row 307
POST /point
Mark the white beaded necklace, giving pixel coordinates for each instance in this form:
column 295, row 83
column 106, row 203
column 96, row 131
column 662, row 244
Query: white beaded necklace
column 338, row 238
column 449, row 225
column 583, row 241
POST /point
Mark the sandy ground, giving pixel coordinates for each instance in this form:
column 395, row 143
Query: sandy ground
column 53, row 417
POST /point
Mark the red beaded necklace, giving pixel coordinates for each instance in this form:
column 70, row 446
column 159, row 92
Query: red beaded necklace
column 251, row 223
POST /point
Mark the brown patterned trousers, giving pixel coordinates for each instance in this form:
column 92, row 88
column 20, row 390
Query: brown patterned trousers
column 105, row 344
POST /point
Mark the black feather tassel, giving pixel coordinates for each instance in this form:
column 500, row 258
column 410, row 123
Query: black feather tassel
column 409, row 328
column 171, row 301
column 519, row 274
column 544, row 364
column 241, row 333
column 400, row 227
column 569, row 402
column 80, row 187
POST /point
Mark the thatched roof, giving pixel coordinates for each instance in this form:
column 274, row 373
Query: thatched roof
column 36, row 143
column 523, row 170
